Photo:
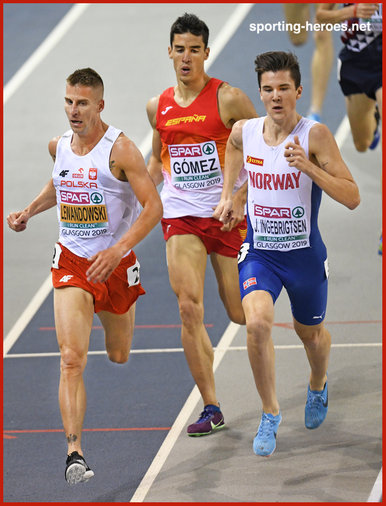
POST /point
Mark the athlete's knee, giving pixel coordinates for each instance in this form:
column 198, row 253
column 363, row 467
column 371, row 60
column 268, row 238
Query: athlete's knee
column 191, row 312
column 361, row 145
column 312, row 337
column 236, row 315
column 258, row 329
column 298, row 39
column 72, row 362
column 118, row 356
column 323, row 37
column 118, row 347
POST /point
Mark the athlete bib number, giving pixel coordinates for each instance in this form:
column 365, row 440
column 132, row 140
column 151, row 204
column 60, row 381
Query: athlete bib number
column 195, row 166
column 57, row 253
column 279, row 228
column 133, row 274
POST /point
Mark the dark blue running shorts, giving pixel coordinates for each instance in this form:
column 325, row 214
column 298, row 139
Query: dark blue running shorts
column 302, row 272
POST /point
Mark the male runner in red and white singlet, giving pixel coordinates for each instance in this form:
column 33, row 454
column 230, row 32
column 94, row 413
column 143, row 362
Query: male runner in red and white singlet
column 192, row 122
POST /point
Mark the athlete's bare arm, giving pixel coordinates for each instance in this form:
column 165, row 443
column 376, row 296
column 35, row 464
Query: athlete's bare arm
column 325, row 165
column 235, row 105
column 328, row 13
column 126, row 157
column 154, row 165
column 46, row 199
column 234, row 161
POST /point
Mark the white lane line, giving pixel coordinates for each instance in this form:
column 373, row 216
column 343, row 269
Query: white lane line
column 227, row 31
column 219, row 349
column 342, row 132
column 376, row 492
column 27, row 315
column 42, row 51
column 180, row 422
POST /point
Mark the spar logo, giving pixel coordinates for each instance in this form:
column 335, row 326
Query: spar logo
column 255, row 161
column 208, row 149
column 298, row 212
column 191, row 150
column 186, row 151
column 273, row 212
column 96, row 198
column 74, row 197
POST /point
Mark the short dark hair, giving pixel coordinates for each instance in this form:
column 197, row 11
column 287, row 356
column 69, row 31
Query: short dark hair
column 189, row 23
column 86, row 77
column 273, row 61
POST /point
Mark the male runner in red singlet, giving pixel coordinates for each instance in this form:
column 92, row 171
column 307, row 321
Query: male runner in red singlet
column 97, row 178
column 191, row 123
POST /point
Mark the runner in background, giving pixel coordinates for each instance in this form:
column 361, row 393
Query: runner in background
column 299, row 15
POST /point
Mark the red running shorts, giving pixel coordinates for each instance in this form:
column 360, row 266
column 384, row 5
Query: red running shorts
column 115, row 295
column 208, row 230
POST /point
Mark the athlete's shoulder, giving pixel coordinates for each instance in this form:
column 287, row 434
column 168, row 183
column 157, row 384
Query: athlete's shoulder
column 234, row 104
column 122, row 144
column 151, row 109
column 229, row 94
column 319, row 131
column 52, row 145
column 320, row 138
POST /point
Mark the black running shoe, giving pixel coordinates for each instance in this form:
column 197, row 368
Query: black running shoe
column 77, row 470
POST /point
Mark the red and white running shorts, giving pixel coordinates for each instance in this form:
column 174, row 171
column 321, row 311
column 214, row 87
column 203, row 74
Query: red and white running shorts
column 115, row 295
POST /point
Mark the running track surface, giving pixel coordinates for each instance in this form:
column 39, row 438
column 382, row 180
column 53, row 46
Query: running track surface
column 131, row 408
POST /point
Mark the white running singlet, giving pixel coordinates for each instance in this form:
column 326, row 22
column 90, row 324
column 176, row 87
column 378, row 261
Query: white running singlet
column 94, row 208
column 279, row 196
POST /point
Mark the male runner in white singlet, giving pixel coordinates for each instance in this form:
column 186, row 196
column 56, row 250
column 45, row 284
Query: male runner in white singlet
column 290, row 160
column 98, row 178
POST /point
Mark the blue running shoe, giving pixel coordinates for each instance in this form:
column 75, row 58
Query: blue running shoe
column 315, row 116
column 377, row 135
column 316, row 407
column 264, row 443
column 211, row 419
column 375, row 140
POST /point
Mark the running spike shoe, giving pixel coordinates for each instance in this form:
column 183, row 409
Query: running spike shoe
column 316, row 407
column 210, row 420
column 264, row 443
column 77, row 470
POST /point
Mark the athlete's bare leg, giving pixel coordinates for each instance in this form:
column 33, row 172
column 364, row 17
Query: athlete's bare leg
column 259, row 313
column 119, row 330
column 74, row 310
column 227, row 276
column 187, row 257
column 360, row 112
column 297, row 15
column 321, row 65
column 378, row 96
column 317, row 343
